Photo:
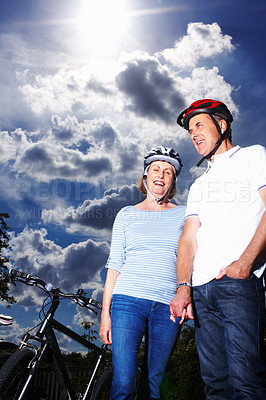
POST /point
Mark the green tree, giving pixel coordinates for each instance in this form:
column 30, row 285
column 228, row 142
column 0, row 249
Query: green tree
column 91, row 333
column 4, row 276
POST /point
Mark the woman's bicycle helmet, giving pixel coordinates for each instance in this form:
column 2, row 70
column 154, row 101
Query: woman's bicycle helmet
column 162, row 153
column 211, row 107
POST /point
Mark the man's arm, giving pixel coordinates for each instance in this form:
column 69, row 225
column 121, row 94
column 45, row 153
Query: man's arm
column 180, row 305
column 241, row 268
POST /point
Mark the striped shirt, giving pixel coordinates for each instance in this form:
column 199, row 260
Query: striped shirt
column 143, row 250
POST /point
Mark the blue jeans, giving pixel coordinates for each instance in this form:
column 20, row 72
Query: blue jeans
column 229, row 319
column 128, row 320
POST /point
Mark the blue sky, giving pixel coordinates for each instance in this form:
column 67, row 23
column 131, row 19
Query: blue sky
column 86, row 88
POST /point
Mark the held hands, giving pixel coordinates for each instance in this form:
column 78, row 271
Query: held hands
column 105, row 330
column 181, row 305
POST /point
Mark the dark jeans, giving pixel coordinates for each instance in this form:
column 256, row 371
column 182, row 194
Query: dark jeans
column 229, row 319
column 128, row 321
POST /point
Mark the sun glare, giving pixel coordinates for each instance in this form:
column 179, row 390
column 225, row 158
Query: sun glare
column 103, row 22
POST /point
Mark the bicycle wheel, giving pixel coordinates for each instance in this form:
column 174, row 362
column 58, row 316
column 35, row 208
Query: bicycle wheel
column 14, row 374
column 102, row 388
column 3, row 358
column 6, row 351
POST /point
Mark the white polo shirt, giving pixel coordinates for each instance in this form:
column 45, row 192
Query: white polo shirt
column 227, row 202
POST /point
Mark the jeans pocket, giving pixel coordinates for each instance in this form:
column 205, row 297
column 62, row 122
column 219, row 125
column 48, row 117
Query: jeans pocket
column 240, row 279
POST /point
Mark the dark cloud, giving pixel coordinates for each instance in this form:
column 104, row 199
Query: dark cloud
column 41, row 246
column 82, row 262
column 73, row 132
column 100, row 214
column 151, row 90
column 45, row 161
column 97, row 87
column 63, row 133
column 104, row 134
column 69, row 268
column 27, row 301
column 37, row 155
column 94, row 166
column 129, row 158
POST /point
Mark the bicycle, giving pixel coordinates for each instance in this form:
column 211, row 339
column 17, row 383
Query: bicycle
column 18, row 373
column 5, row 320
column 6, row 348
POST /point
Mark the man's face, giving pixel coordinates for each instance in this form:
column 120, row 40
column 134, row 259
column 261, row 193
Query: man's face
column 203, row 133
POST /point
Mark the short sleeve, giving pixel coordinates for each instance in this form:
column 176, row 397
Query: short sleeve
column 194, row 200
column 258, row 166
column 117, row 249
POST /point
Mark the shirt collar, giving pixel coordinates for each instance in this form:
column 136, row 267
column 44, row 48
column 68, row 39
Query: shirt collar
column 227, row 154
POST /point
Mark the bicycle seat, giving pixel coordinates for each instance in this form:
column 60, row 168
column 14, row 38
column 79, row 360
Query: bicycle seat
column 5, row 319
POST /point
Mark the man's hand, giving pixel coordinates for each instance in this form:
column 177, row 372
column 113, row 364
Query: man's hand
column 181, row 306
column 241, row 268
column 236, row 270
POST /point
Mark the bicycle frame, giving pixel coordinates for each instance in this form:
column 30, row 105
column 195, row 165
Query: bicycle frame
column 46, row 336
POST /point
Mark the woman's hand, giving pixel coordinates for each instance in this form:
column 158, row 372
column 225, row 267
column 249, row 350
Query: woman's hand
column 181, row 306
column 105, row 330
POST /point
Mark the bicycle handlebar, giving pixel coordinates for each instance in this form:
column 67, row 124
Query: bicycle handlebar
column 78, row 298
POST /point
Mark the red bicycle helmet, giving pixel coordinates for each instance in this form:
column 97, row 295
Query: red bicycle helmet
column 211, row 107
column 206, row 106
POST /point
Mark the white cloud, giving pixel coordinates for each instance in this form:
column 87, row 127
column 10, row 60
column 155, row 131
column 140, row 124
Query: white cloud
column 12, row 144
column 201, row 41
column 65, row 90
column 96, row 127
column 77, row 265
column 141, row 95
column 97, row 132
column 208, row 83
column 181, row 198
column 196, row 172
column 86, row 151
column 69, row 150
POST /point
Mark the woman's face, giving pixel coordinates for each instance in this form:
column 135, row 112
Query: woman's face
column 160, row 177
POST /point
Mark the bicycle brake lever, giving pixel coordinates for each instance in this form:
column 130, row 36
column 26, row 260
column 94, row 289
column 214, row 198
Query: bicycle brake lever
column 82, row 303
column 81, row 292
column 92, row 309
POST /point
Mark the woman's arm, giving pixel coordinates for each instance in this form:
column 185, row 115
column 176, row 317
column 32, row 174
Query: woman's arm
column 114, row 265
column 105, row 326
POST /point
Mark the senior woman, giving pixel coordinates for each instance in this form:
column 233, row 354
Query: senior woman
column 141, row 277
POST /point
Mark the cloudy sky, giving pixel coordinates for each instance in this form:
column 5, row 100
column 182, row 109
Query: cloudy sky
column 86, row 88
